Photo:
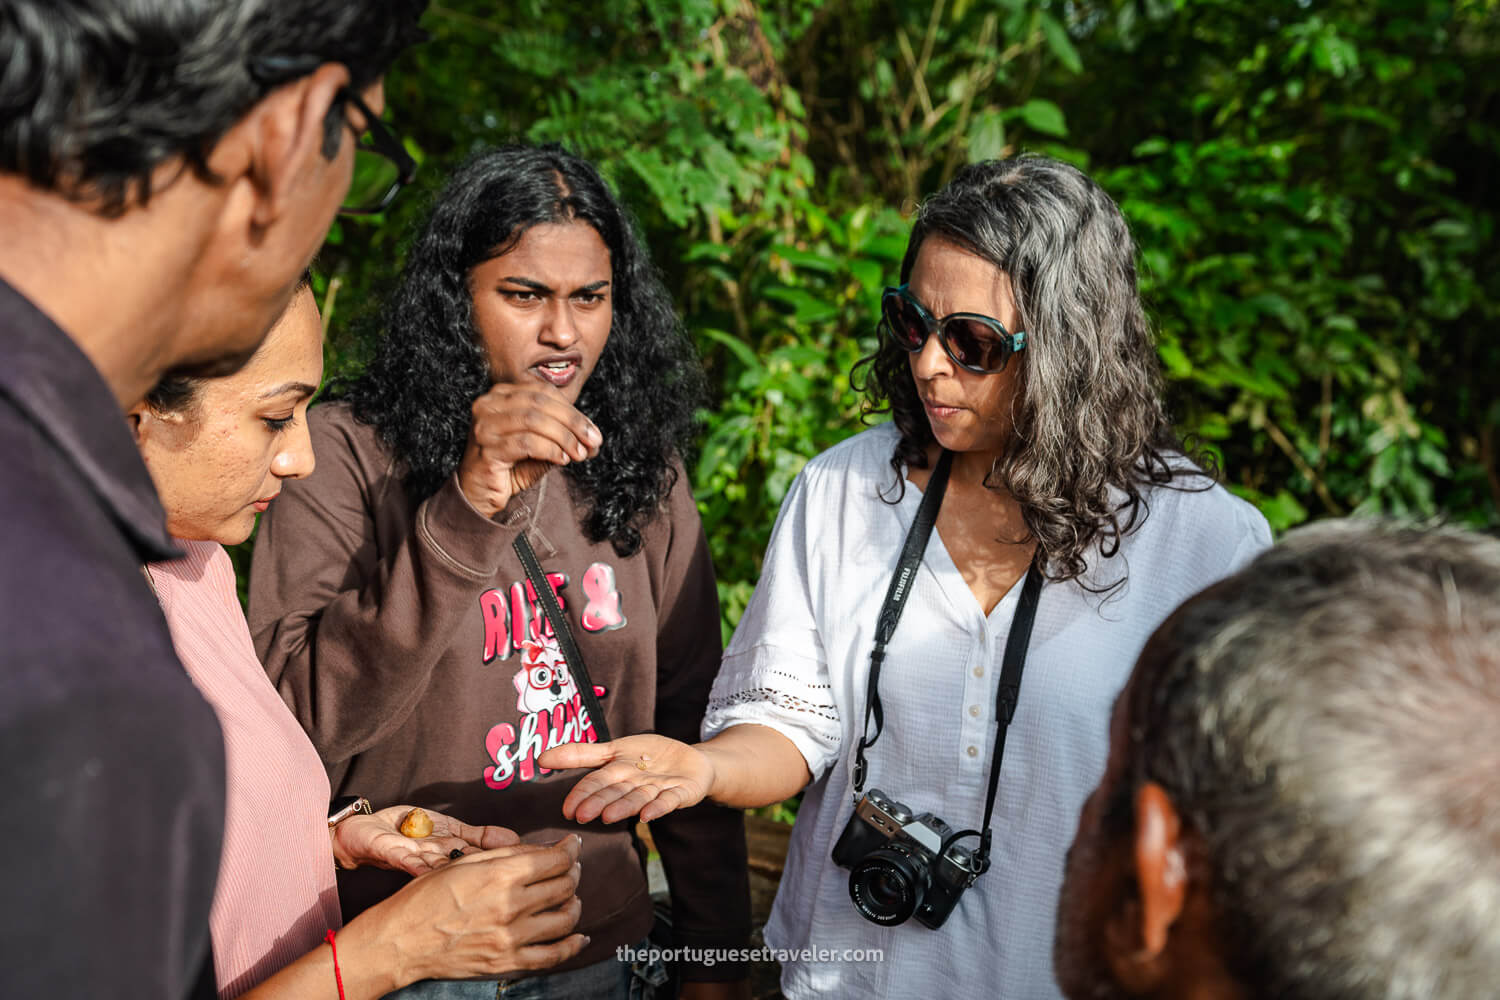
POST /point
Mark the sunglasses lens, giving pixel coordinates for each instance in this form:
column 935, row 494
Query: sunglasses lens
column 975, row 345
column 906, row 326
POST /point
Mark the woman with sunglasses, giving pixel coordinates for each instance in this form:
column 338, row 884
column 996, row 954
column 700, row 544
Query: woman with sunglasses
column 1016, row 362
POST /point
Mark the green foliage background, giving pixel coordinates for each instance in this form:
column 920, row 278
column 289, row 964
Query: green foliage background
column 1309, row 182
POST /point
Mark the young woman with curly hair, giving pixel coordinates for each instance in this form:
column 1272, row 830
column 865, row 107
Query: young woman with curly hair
column 1017, row 365
column 532, row 378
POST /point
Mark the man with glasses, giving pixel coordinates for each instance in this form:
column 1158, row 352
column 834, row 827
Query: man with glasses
column 167, row 171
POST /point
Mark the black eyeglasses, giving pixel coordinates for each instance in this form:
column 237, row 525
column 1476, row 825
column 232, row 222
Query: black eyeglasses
column 382, row 166
column 976, row 343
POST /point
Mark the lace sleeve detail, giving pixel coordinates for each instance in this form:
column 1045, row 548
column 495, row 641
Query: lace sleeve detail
column 792, row 694
column 796, row 703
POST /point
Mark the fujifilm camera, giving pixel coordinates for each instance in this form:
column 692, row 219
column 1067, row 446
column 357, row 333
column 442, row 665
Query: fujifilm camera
column 897, row 866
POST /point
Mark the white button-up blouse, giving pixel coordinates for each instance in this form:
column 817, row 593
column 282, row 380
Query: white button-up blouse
column 798, row 663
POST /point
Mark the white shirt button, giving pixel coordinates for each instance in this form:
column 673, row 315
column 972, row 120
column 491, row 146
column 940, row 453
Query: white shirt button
column 974, row 711
column 973, row 751
column 978, row 671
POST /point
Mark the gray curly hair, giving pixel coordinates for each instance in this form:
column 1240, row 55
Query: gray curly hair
column 1090, row 430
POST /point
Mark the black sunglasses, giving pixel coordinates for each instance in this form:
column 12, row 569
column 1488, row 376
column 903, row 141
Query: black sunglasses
column 976, row 343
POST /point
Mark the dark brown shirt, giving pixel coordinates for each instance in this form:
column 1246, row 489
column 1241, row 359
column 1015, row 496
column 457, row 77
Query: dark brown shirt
column 405, row 639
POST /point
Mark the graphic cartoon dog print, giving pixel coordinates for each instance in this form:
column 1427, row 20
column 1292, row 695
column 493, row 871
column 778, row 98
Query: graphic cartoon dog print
column 543, row 680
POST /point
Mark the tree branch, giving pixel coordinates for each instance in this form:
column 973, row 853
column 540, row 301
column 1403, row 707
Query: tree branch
column 1321, row 488
column 329, row 298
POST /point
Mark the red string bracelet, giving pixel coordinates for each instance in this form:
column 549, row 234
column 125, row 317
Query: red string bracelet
column 337, row 977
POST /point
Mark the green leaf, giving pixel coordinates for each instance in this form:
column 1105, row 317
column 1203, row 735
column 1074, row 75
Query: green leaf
column 1282, row 511
column 1060, row 44
column 1177, row 363
column 1044, row 116
column 741, row 350
column 821, row 262
column 1335, row 55
column 986, row 137
column 805, row 308
column 1281, row 308
column 870, row 275
column 1450, row 229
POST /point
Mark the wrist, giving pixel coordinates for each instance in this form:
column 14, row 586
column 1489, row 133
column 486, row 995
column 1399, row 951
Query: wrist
column 342, row 811
column 481, row 502
column 371, row 966
column 713, row 761
column 343, row 859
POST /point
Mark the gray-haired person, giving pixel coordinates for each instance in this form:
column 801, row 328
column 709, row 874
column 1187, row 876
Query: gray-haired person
column 1303, row 791
column 167, row 170
column 1015, row 359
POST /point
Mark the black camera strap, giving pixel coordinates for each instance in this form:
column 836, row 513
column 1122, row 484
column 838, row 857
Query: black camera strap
column 1012, row 664
column 895, row 601
column 563, row 634
column 1016, row 645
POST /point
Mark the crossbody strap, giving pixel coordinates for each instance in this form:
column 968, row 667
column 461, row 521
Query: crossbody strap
column 563, row 634
column 895, row 602
column 1016, row 645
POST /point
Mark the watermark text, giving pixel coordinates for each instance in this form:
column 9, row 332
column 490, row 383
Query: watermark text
column 713, row 956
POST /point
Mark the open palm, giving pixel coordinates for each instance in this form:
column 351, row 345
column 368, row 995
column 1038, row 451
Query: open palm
column 647, row 775
column 377, row 840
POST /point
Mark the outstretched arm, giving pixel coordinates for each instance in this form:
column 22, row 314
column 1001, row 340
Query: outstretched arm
column 650, row 776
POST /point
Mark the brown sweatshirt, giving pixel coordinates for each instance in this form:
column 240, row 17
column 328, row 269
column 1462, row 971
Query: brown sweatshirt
column 405, row 639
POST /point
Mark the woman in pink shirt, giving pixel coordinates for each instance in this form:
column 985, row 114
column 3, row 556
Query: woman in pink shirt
column 218, row 450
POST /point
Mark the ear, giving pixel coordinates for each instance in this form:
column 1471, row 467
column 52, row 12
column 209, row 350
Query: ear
column 135, row 418
column 283, row 138
column 170, row 430
column 1137, row 935
column 1161, row 867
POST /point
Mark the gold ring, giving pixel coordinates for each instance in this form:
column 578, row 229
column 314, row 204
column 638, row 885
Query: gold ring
column 640, row 765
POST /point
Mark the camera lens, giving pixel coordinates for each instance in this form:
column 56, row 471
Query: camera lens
column 887, row 885
column 887, row 890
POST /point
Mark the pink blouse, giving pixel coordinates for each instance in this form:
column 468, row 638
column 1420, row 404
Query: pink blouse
column 276, row 895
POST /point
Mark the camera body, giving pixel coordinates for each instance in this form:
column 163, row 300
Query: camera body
column 897, row 866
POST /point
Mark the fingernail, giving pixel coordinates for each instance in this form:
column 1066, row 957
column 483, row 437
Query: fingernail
column 595, row 436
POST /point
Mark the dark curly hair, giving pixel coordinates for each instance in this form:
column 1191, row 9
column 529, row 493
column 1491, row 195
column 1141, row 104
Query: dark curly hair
column 430, row 367
column 1088, row 417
